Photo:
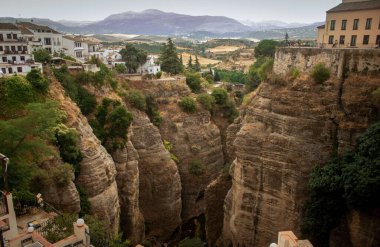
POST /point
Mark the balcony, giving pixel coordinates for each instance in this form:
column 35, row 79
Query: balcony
column 8, row 52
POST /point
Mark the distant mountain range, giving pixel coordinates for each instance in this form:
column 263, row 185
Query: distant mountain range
column 156, row 22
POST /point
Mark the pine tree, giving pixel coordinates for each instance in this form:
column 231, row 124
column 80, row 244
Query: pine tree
column 170, row 62
column 286, row 38
column 217, row 76
column 197, row 66
column 190, row 64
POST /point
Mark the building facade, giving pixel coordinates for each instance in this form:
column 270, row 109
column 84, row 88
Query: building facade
column 81, row 48
column 353, row 23
column 15, row 52
column 151, row 67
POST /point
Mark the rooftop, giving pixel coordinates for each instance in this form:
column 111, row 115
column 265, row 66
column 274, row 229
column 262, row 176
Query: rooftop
column 87, row 40
column 36, row 27
column 365, row 5
column 8, row 26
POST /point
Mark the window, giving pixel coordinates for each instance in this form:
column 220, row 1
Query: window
column 19, row 48
column 342, row 39
column 47, row 41
column 331, row 39
column 356, row 24
column 4, row 59
column 10, row 70
column 19, row 69
column 378, row 40
column 14, row 36
column 1, row 48
column 332, row 25
column 365, row 39
column 353, row 40
column 344, row 24
column 78, row 44
column 22, row 58
column 3, row 70
column 2, row 38
column 9, row 36
column 13, row 48
column 78, row 54
column 368, row 24
column 13, row 58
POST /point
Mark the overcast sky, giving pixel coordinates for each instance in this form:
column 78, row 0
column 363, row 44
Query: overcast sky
column 256, row 10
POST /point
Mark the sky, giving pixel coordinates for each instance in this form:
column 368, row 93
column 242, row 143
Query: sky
column 305, row 11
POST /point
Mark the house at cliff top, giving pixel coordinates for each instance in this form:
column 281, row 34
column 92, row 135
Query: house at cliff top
column 351, row 24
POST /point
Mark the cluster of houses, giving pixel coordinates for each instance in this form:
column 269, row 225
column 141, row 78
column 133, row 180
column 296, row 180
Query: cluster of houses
column 19, row 40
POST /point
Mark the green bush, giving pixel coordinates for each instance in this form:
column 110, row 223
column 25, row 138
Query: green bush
column 266, row 48
column 188, row 104
column 152, row 110
column 220, row 95
column 61, row 175
column 137, row 99
column 191, row 242
column 230, row 111
column 168, row 146
column 86, row 101
column 158, row 74
column 351, row 181
column 295, row 73
column 376, row 98
column 42, row 56
column 207, row 101
column 193, row 80
column 121, row 68
column 85, row 205
column 37, row 80
column 320, row 73
column 196, row 167
column 68, row 144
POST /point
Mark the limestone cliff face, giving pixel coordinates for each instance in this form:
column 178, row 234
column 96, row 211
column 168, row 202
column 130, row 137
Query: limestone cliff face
column 286, row 129
column 131, row 219
column 160, row 185
column 194, row 137
column 97, row 175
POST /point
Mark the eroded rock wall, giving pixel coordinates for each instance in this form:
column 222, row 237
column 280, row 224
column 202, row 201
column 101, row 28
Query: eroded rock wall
column 286, row 130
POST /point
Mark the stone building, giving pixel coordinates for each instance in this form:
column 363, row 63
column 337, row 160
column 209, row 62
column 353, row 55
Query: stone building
column 353, row 23
column 81, row 48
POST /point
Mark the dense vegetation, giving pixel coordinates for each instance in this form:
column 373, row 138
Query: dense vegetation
column 133, row 57
column 170, row 61
column 320, row 73
column 231, row 76
column 348, row 182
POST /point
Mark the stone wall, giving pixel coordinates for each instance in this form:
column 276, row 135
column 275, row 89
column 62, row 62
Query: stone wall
column 304, row 59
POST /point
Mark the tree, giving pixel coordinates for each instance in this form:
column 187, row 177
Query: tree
column 207, row 101
column 37, row 80
column 266, row 48
column 286, row 38
column 220, row 95
column 320, row 73
column 190, row 64
column 216, row 76
column 133, row 57
column 193, row 80
column 188, row 104
column 170, row 61
column 197, row 66
column 42, row 56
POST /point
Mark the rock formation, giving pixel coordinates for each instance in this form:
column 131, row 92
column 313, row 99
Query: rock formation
column 160, row 185
column 288, row 127
column 97, row 174
column 131, row 219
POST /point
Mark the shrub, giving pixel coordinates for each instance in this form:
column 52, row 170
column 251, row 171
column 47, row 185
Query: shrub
column 191, row 242
column 196, row 167
column 137, row 99
column 37, row 80
column 121, row 68
column 188, row 104
column 158, row 74
column 320, row 73
column 42, row 56
column 220, row 95
column 207, row 101
column 193, row 80
column 230, row 111
column 266, row 48
column 168, row 146
column 61, row 175
column 85, row 205
column 68, row 144
column 152, row 110
column 86, row 101
column 295, row 73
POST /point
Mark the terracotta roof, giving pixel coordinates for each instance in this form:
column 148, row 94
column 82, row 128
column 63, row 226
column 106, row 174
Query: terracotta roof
column 373, row 4
column 8, row 26
column 36, row 27
column 24, row 30
column 83, row 39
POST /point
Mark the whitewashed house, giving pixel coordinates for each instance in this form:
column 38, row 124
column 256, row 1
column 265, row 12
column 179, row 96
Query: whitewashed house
column 151, row 67
column 15, row 52
column 41, row 37
column 81, row 48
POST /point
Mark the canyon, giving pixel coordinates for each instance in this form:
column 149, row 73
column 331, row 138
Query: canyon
column 256, row 170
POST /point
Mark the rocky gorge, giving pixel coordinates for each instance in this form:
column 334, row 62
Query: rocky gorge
column 285, row 128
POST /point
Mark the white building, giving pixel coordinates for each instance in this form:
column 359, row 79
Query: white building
column 151, row 67
column 42, row 37
column 82, row 48
column 15, row 53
